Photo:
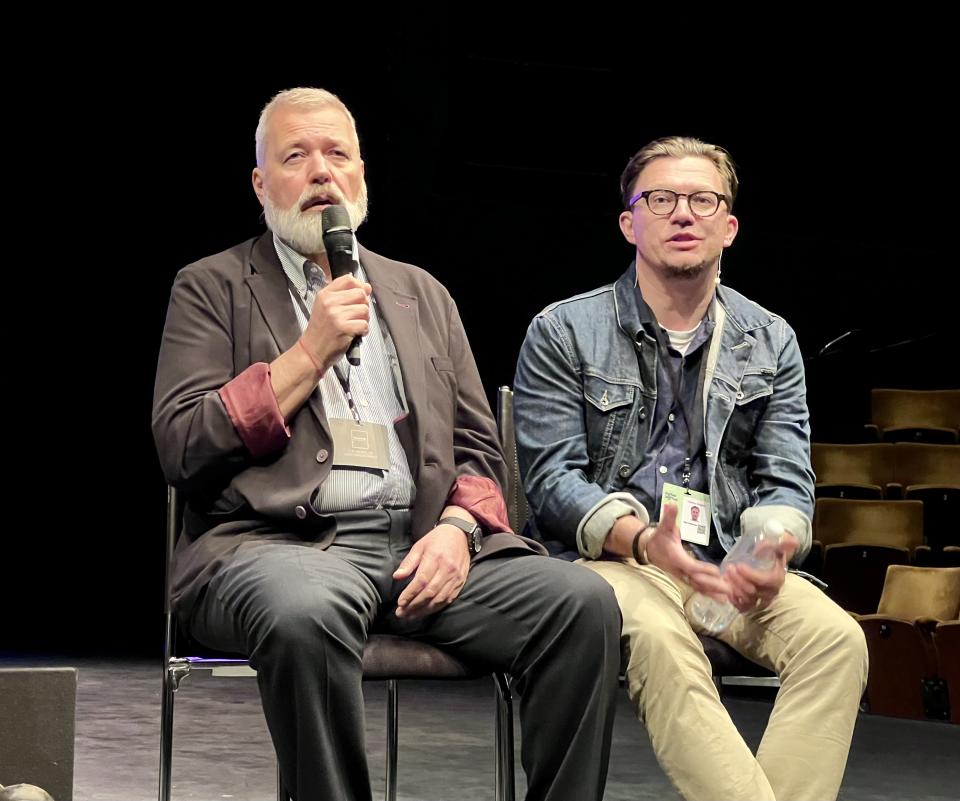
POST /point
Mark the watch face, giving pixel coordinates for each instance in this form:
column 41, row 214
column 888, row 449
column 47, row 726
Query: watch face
column 476, row 541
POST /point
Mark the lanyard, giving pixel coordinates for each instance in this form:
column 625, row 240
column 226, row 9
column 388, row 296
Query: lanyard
column 344, row 379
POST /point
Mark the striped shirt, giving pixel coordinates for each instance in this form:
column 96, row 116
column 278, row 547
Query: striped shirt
column 375, row 393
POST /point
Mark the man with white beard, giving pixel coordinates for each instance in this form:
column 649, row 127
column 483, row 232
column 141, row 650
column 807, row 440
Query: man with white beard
column 325, row 499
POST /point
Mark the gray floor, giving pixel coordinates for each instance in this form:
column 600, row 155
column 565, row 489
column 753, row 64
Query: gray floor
column 222, row 750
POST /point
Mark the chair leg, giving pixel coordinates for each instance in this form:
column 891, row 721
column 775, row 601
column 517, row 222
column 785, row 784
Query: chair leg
column 282, row 794
column 504, row 739
column 392, row 732
column 173, row 672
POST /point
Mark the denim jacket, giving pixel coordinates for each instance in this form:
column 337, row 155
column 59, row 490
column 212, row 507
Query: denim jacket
column 583, row 389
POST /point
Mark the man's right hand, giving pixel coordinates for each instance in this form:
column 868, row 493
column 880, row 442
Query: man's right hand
column 341, row 311
column 665, row 550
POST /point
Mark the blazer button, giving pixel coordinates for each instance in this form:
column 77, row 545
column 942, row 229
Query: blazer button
column 624, row 471
column 301, row 512
column 322, row 455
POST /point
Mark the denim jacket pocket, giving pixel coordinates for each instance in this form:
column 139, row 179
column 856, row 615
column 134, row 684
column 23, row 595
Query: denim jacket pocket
column 750, row 400
column 608, row 406
column 755, row 384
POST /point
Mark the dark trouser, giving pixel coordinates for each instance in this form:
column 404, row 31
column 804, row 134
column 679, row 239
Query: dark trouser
column 302, row 615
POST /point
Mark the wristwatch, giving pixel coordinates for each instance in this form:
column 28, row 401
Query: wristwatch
column 472, row 530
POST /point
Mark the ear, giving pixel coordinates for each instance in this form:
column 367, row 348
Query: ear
column 626, row 227
column 258, row 188
column 733, row 225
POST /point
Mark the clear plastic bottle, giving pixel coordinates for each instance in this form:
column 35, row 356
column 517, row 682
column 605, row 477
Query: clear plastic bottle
column 759, row 552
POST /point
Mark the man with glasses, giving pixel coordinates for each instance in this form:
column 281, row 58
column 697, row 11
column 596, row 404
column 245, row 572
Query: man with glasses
column 664, row 393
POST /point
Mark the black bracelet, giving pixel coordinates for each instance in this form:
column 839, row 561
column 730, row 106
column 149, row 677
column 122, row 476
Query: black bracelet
column 641, row 558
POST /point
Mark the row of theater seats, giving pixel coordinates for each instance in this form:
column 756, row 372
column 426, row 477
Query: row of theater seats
column 882, row 504
column 887, row 542
column 856, row 541
column 914, row 644
column 904, row 415
column 883, row 470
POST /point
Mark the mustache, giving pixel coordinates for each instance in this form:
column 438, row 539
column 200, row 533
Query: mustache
column 328, row 194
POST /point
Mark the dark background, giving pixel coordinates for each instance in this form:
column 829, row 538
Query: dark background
column 492, row 160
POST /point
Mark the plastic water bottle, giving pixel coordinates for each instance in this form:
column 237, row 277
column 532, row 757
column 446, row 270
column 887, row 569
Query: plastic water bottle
column 759, row 552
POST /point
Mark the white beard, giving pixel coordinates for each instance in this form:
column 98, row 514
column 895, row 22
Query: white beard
column 303, row 231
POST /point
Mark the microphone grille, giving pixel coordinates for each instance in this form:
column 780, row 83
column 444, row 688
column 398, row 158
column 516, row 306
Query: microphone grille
column 335, row 219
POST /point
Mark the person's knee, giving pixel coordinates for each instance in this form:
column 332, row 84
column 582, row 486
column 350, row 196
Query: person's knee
column 306, row 627
column 846, row 638
column 591, row 601
column 580, row 620
column 654, row 630
column 831, row 643
column 660, row 645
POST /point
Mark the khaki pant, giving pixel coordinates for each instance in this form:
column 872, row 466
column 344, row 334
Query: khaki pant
column 815, row 648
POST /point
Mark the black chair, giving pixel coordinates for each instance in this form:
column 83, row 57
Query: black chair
column 727, row 665
column 386, row 658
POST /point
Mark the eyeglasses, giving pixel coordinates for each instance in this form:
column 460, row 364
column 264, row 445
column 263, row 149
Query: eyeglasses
column 663, row 201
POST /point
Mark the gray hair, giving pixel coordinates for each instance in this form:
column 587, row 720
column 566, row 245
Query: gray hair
column 305, row 98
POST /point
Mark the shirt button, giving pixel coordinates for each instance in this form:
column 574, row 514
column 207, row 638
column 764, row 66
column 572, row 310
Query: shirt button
column 663, row 470
column 739, row 396
column 624, row 471
column 301, row 512
column 364, row 403
column 708, row 454
column 671, row 417
column 322, row 455
column 643, row 414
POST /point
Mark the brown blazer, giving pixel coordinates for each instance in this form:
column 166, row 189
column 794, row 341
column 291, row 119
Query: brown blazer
column 232, row 310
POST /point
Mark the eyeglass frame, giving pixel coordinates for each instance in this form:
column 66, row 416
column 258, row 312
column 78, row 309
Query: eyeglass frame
column 676, row 201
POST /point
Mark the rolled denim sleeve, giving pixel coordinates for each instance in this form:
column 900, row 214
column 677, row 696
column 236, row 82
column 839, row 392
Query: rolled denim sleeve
column 551, row 434
column 597, row 522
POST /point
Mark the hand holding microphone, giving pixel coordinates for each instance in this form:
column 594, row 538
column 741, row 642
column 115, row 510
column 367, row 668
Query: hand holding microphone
column 341, row 310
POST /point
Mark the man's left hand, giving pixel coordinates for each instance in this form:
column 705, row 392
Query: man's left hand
column 439, row 562
column 752, row 589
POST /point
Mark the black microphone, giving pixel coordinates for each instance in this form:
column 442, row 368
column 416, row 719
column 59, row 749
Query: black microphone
column 338, row 242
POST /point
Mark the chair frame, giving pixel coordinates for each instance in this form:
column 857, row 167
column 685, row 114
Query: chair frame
column 177, row 668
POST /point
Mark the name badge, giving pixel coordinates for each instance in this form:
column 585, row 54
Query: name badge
column 359, row 444
column 693, row 512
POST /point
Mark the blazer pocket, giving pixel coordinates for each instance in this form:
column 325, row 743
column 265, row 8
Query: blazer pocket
column 443, row 364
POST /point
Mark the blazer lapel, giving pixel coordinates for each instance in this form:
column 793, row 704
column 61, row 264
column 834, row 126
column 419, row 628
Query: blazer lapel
column 270, row 289
column 399, row 311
